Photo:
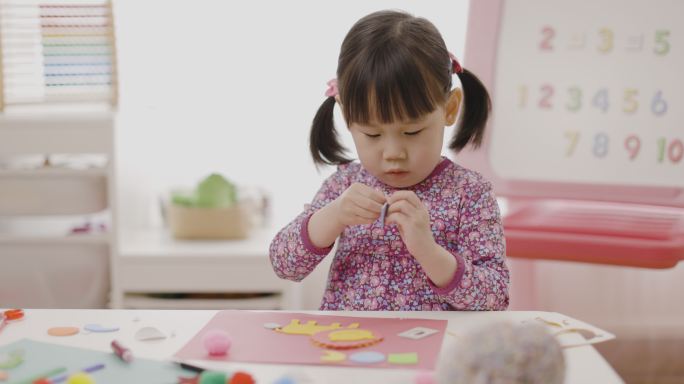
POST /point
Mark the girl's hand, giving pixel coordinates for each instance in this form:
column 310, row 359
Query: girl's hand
column 359, row 204
column 413, row 219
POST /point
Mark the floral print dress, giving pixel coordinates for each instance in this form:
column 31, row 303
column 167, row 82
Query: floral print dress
column 373, row 270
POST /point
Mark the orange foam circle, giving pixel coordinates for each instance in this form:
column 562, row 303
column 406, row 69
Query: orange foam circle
column 62, row 331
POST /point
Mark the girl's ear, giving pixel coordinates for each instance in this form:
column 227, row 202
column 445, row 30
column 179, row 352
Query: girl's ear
column 453, row 105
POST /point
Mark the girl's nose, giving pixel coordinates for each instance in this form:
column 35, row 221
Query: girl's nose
column 394, row 151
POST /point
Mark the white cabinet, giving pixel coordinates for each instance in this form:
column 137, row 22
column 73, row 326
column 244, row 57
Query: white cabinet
column 154, row 270
column 43, row 263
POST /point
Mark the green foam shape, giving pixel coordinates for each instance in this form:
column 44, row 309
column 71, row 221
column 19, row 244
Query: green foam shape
column 403, row 358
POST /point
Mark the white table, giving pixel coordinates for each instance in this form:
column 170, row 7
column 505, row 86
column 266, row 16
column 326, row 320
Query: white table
column 584, row 363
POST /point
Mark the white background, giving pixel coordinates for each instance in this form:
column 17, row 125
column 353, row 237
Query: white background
column 232, row 87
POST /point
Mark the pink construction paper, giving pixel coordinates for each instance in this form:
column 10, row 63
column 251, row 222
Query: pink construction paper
column 253, row 343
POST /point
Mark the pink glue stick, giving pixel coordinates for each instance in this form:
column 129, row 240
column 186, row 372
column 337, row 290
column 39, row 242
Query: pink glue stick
column 124, row 353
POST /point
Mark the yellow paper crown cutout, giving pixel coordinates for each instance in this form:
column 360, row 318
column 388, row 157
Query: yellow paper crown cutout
column 310, row 328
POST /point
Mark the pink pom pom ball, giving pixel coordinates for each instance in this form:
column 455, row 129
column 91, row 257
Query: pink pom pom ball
column 217, row 342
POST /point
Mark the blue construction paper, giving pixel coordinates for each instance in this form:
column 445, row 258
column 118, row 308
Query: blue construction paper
column 40, row 357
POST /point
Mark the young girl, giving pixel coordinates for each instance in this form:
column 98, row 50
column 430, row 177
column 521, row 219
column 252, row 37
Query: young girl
column 415, row 231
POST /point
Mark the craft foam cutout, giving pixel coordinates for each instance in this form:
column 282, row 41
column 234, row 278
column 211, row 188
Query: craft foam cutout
column 310, row 328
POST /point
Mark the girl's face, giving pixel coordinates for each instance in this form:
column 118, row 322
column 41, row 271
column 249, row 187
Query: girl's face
column 403, row 154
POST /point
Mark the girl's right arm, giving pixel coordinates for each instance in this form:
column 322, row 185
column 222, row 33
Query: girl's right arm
column 298, row 248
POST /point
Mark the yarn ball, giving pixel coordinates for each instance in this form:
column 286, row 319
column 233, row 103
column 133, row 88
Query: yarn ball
column 212, row 377
column 504, row 353
column 217, row 342
column 80, row 378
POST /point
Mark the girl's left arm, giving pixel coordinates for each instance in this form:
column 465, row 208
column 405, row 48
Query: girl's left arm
column 481, row 278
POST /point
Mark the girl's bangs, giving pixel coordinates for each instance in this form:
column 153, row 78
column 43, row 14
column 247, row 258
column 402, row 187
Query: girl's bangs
column 396, row 89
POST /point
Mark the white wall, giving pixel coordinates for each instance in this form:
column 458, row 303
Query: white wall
column 232, row 87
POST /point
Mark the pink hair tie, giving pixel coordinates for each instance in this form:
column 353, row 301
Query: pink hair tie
column 332, row 90
column 455, row 66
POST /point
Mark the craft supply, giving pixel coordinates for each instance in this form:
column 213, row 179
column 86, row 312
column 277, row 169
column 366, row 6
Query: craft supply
column 333, row 356
column 418, row 333
column 217, row 342
column 292, row 343
column 79, row 379
column 12, row 359
column 124, row 353
column 285, row 380
column 212, row 377
column 190, row 367
column 500, row 351
column 241, row 377
column 369, row 357
column 403, row 358
column 340, row 339
column 99, row 328
column 383, row 213
column 149, row 333
column 62, row 331
column 272, row 325
column 44, row 374
column 40, row 356
column 9, row 316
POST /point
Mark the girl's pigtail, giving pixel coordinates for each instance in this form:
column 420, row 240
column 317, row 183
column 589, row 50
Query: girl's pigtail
column 477, row 106
column 323, row 143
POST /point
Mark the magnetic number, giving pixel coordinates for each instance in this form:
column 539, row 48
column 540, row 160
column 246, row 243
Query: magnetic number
column 548, row 33
column 547, row 93
column 675, row 151
column 601, row 145
column 606, row 40
column 630, row 103
column 575, row 102
column 658, row 104
column 632, row 145
column 662, row 46
column 573, row 136
column 600, row 100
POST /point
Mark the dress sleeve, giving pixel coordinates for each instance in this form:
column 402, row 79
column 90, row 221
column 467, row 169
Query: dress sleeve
column 292, row 254
column 481, row 280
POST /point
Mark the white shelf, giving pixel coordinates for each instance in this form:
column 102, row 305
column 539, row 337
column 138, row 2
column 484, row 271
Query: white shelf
column 53, row 191
column 28, row 239
column 141, row 302
column 151, row 260
column 39, row 206
column 56, row 132
column 151, row 243
column 40, row 173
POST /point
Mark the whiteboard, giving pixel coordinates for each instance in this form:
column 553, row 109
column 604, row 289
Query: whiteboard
column 587, row 98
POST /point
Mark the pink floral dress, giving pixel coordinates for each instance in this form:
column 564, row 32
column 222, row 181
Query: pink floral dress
column 373, row 270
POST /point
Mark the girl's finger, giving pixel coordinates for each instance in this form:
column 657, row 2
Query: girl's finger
column 365, row 213
column 374, row 194
column 368, row 204
column 409, row 196
column 402, row 206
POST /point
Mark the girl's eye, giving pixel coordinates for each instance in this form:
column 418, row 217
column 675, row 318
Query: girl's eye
column 413, row 133
column 372, row 136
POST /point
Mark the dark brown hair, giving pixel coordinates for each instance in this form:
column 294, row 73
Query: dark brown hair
column 395, row 67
